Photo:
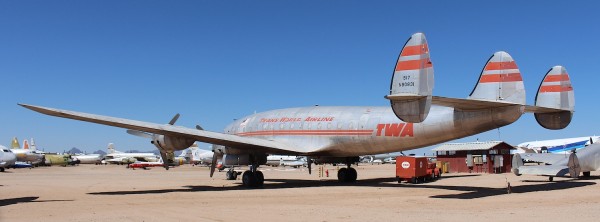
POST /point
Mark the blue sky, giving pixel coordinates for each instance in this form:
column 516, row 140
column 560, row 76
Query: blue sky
column 214, row 61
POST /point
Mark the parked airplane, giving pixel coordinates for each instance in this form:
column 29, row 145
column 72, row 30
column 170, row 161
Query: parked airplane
column 25, row 154
column 582, row 160
column 276, row 160
column 7, row 158
column 559, row 145
column 381, row 158
column 118, row 157
column 145, row 165
column 414, row 118
column 87, row 158
column 58, row 159
column 300, row 162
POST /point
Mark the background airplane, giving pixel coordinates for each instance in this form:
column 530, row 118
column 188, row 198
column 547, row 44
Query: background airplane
column 582, row 160
column 414, row 119
column 87, row 158
column 26, row 154
column 117, row 157
column 559, row 145
column 7, row 158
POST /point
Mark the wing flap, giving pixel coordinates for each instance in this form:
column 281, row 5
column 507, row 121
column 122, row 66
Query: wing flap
column 253, row 144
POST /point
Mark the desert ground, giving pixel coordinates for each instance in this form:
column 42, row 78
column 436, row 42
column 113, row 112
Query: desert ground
column 187, row 193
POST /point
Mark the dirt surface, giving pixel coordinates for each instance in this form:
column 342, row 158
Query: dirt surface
column 186, row 193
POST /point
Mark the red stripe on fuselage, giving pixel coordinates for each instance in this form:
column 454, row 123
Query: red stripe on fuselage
column 307, row 132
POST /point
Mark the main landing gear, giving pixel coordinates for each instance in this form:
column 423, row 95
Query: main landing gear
column 253, row 178
column 347, row 175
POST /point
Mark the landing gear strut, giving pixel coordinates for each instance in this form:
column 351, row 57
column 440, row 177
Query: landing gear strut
column 347, row 175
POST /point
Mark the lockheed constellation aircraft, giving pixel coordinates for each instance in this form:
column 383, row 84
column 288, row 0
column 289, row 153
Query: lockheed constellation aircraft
column 414, row 119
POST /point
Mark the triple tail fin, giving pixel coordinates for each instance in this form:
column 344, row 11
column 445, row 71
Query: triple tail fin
column 500, row 81
column 412, row 81
column 555, row 92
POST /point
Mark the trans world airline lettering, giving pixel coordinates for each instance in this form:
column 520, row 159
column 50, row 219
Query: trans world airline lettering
column 395, row 130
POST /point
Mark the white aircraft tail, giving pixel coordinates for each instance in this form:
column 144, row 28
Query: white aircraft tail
column 33, row 147
column 500, row 81
column 111, row 148
column 556, row 92
column 412, row 81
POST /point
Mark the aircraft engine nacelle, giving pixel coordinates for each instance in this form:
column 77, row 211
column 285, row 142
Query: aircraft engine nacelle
column 169, row 143
column 243, row 159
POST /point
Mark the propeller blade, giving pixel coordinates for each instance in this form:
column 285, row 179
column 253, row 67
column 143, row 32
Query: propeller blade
column 140, row 133
column 165, row 160
column 309, row 162
column 174, row 119
column 213, row 164
column 198, row 127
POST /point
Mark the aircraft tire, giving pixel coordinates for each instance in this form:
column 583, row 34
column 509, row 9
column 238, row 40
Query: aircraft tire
column 550, row 179
column 342, row 175
column 249, row 179
column 260, row 178
column 1, row 169
column 231, row 175
column 352, row 175
column 587, row 174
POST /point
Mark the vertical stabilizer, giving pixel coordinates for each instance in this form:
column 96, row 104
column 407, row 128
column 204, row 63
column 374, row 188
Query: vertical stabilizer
column 15, row 143
column 25, row 145
column 412, row 81
column 33, row 147
column 556, row 92
column 500, row 80
column 111, row 148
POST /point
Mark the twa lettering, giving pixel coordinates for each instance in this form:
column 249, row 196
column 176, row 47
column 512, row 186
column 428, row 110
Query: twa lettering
column 395, row 130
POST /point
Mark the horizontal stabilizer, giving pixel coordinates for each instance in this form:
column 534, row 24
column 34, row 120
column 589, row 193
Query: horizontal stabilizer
column 412, row 81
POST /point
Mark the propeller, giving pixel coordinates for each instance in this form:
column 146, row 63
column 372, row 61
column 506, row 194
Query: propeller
column 165, row 159
column 213, row 164
column 309, row 162
column 174, row 119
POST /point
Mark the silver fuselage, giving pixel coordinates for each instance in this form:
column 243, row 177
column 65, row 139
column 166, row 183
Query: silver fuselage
column 355, row 131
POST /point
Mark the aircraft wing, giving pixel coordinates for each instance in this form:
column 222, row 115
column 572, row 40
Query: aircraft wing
column 549, row 158
column 472, row 104
column 546, row 170
column 254, row 144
